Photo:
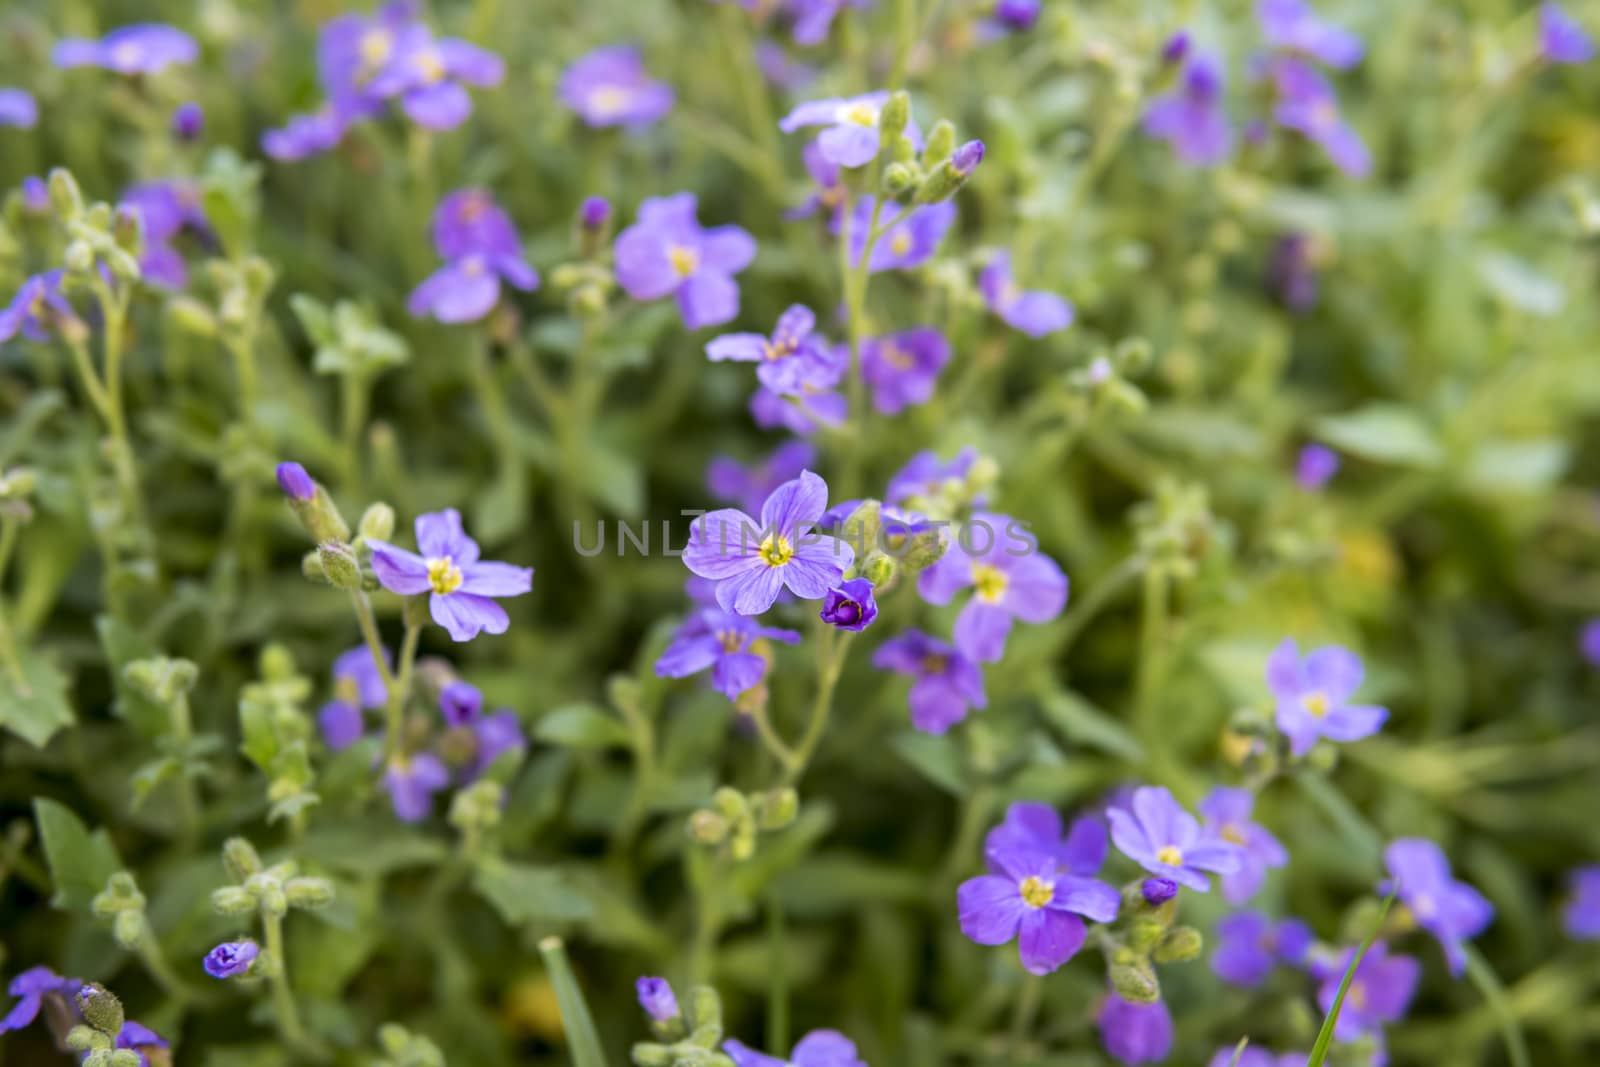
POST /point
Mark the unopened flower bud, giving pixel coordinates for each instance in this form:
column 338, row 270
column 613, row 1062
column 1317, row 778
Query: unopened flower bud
column 122, row 264
column 311, row 567
column 730, row 803
column 188, row 121
column 101, row 1009
column 966, row 158
column 66, row 200
column 192, row 316
column 81, row 1038
column 647, row 1054
column 377, row 523
column 340, row 565
column 941, row 142
column 239, row 856
column 899, row 177
column 1182, row 944
column 18, row 483
column 128, row 929
column 258, row 276
column 950, row 175
column 708, row 828
column 879, row 569
column 705, row 1008
column 1145, row 933
column 78, row 258
column 274, row 903
column 127, row 229
column 232, row 900
column 296, row 483
column 594, row 213
column 893, row 118
column 308, row 892
column 1136, row 982
column 776, row 809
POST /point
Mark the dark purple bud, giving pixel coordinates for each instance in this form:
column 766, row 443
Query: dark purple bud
column 1589, row 641
column 657, row 999
column 231, row 958
column 1316, row 464
column 188, row 122
column 850, row 606
column 295, row 482
column 1157, row 891
column 595, row 213
column 1018, row 14
column 967, row 158
column 460, row 703
column 1176, row 48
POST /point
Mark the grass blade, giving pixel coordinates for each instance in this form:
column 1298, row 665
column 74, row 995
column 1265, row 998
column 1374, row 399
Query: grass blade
column 1319, row 1051
column 1482, row 975
column 582, row 1037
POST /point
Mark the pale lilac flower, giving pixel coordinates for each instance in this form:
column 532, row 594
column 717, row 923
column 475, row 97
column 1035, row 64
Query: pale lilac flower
column 668, row 252
column 1191, row 117
column 831, row 191
column 1165, row 840
column 1291, row 273
column 819, row 1048
column 793, row 360
column 1034, row 312
column 1562, row 38
column 1313, row 694
column 657, row 999
column 31, row 987
column 462, row 588
column 748, row 487
column 721, row 641
column 781, row 69
column 1133, row 1032
column 1293, row 26
column 136, row 1037
column 35, row 195
column 165, row 210
column 903, row 368
column 231, row 959
column 814, row 408
column 353, row 50
column 928, row 476
column 488, row 737
column 753, row 561
column 1315, row 465
column 17, row 108
column 1010, row 578
column 1307, row 104
column 610, row 87
column 1028, row 898
column 411, row 781
column 142, row 48
column 1581, row 916
column 1250, row 945
column 851, row 136
column 814, row 18
column 1380, row 991
column 907, row 244
column 428, row 75
column 1029, row 826
column 1451, row 910
column 306, row 135
column 38, row 306
column 1227, row 814
column 480, row 245
column 947, row 682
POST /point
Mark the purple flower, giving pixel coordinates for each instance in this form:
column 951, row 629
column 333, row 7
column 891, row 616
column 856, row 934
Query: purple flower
column 594, row 213
column 1157, row 891
column 17, row 108
column 904, row 367
column 610, row 87
column 1034, row 312
column 851, row 137
column 481, row 247
column 340, row 724
column 1133, row 1032
column 462, row 587
column 1312, row 696
column 469, row 222
column 965, row 159
column 831, row 191
column 1306, row 103
column 1254, row 1056
column 1176, row 50
column 231, row 959
column 1227, row 815
column 1292, row 274
column 668, row 252
column 1191, row 117
column 791, row 361
column 1450, row 910
column 38, row 305
column 1033, row 827
column 136, row 1037
column 909, row 243
column 1010, row 579
column 720, row 640
column 295, row 482
column 1588, row 637
column 752, row 562
column 1582, row 913
column 490, row 736
column 947, row 682
column 30, row 988
column 816, row 403
column 143, row 48
column 819, row 1048
column 814, row 18
column 1030, row 899
column 411, row 782
column 1315, row 466
column 1165, row 840
column 782, row 70
column 1249, row 945
column 1017, row 14
column 306, row 135
column 1380, row 991
column 1293, row 26
column 850, row 605
column 427, row 75
column 188, row 121
column 353, row 50
column 657, row 999
column 1561, row 37
column 748, row 487
column 357, row 678
column 927, row 476
column 165, row 209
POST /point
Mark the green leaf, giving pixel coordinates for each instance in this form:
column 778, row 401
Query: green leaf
column 1319, row 1051
column 1517, row 466
column 33, row 706
column 832, row 884
column 1482, row 975
column 1383, row 433
column 1079, row 722
column 524, row 892
column 935, row 758
column 80, row 861
column 582, row 1038
column 1520, row 284
column 613, row 479
column 149, row 777
column 259, row 742
column 372, row 849
column 581, row 726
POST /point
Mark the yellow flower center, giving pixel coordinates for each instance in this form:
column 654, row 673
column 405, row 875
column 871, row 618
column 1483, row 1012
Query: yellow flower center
column 1036, row 892
column 1171, row 855
column 990, row 582
column 609, row 99
column 126, row 54
column 472, row 266
column 444, row 575
column 1357, row 995
column 896, row 356
column 861, row 114
column 935, row 664
column 776, row 550
column 474, row 207
column 771, row 350
column 730, row 640
column 430, row 66
column 1316, row 704
column 1010, row 293
column 900, row 243
column 375, row 48
column 685, row 261
column 1423, row 906
column 1233, row 832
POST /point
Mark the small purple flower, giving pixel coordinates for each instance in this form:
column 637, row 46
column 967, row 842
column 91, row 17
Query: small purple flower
column 427, row 74
column 1010, row 580
column 903, row 368
column 1133, row 1032
column 1291, row 273
column 165, row 209
column 17, row 108
column 947, row 682
column 142, row 48
column 35, row 195
column 1313, row 696
column 668, row 252
column 594, row 213
column 965, row 159
column 909, row 243
column 340, row 724
column 657, row 999
column 1249, row 945
column 720, row 640
column 231, row 959
column 1307, row 104
column 851, row 135
column 1582, row 913
column 491, row 736
column 1191, row 117
column 748, row 487
column 1588, row 639
column 814, row 18
column 782, row 70
column 1561, row 37
column 927, row 476
column 353, row 50
column 1034, row 312
column 357, row 678
column 462, row 587
column 792, row 360
column 1017, row 14
column 815, row 407
column 819, row 1048
column 37, row 307
column 1033, row 827
column 1227, row 815
column 850, row 605
column 295, row 482
column 1157, row 891
column 1029, row 899
column 306, row 135
column 411, row 782
column 188, row 121
column 1380, row 991
column 610, row 87
column 1452, row 911
column 1315, row 465
column 1165, row 840
column 481, row 247
column 1293, row 26
column 31, row 987
column 831, row 192
column 469, row 222
column 1255, row 1056
column 136, row 1037
column 1176, row 48
column 752, row 561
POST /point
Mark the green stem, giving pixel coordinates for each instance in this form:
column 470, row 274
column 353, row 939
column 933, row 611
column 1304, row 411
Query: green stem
column 155, row 962
column 282, row 991
column 582, row 1037
column 777, row 977
column 353, row 397
column 832, row 647
column 708, row 916
column 1152, row 635
column 395, row 706
column 1084, row 610
column 10, row 529
column 1024, row 1011
column 188, row 797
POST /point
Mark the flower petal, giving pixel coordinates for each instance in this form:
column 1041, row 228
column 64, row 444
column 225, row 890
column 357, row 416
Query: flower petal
column 990, row 908
column 399, row 571
column 1048, row 939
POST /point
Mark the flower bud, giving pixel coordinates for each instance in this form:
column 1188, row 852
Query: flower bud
column 340, row 565
column 82, row 1038
column 123, row 265
column 66, row 200
column 893, row 118
column 730, row 803
column 776, row 809
column 708, row 828
column 653, row 1055
column 705, row 1009
column 311, row 567
column 1135, row 982
column 127, row 229
column 742, row 842
column 192, row 316
column 594, row 213
column 377, row 523
column 966, row 158
column 1145, row 933
column 924, row 550
column 239, row 856
column 879, row 569
column 232, row 900
column 899, row 177
column 17, row 483
column 125, row 1057
column 188, row 121
column 274, row 902
column 101, row 1009
column 1182, row 944
column 308, row 892
column 296, row 483
column 78, row 258
column 941, row 142
column 128, row 929
column 1157, row 891
column 950, row 175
